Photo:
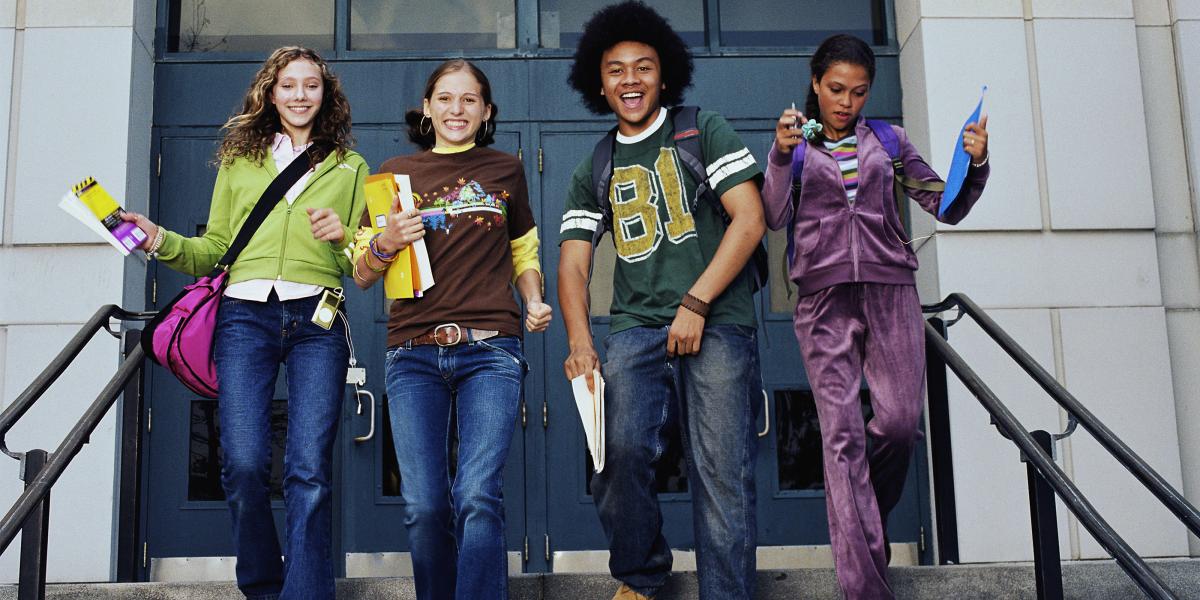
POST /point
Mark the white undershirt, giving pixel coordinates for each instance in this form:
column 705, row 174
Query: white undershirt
column 645, row 133
column 260, row 289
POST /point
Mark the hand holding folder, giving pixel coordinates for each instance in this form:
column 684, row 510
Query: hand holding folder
column 409, row 275
column 589, row 399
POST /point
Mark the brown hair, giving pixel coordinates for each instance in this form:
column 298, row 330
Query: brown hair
column 249, row 133
column 487, row 130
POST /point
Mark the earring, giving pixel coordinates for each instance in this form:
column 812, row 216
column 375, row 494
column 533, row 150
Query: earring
column 483, row 133
column 421, row 126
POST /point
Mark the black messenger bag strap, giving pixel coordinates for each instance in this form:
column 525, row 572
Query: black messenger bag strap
column 266, row 202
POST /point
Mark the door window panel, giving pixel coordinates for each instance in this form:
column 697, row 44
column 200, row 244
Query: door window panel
column 798, row 453
column 420, row 25
column 775, row 23
column 259, row 26
column 204, row 451
column 561, row 21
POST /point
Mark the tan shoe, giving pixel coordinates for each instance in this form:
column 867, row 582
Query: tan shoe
column 624, row 593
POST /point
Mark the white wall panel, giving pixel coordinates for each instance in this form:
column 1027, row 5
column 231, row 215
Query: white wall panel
column 1179, row 270
column 956, row 67
column 989, row 478
column 7, row 46
column 74, row 13
column 1095, row 179
column 66, row 284
column 1164, row 119
column 1187, row 38
column 1117, row 362
column 1101, row 9
column 1151, row 12
column 68, row 135
column 81, row 506
column 1052, row 269
column 1183, row 334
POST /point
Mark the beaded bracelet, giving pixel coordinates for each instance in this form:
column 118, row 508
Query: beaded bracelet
column 982, row 162
column 159, row 236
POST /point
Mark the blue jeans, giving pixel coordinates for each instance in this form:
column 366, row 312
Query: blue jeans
column 716, row 394
column 455, row 528
column 252, row 338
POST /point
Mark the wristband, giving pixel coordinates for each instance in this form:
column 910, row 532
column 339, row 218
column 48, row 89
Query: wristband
column 159, row 236
column 982, row 162
column 695, row 305
column 383, row 257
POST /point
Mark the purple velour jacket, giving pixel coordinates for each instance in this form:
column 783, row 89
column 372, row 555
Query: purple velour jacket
column 865, row 243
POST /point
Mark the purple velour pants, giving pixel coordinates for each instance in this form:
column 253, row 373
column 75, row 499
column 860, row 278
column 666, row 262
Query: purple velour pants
column 847, row 331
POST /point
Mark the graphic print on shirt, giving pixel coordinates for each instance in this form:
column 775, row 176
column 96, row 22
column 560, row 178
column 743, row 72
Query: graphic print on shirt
column 635, row 193
column 467, row 203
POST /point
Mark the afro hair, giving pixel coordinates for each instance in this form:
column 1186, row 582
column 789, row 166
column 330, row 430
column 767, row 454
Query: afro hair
column 629, row 21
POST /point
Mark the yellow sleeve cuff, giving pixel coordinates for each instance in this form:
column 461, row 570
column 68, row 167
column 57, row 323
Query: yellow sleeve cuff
column 525, row 254
column 362, row 237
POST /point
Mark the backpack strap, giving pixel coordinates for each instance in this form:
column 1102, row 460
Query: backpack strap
column 602, row 171
column 797, row 173
column 684, row 120
column 887, row 136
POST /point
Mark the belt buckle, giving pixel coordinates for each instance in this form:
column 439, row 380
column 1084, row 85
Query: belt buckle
column 457, row 338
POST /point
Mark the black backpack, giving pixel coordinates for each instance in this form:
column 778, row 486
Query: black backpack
column 687, row 147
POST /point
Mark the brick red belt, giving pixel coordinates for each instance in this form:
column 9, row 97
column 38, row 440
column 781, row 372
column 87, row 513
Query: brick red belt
column 451, row 334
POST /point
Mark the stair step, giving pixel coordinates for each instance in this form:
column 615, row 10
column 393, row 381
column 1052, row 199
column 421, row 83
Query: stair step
column 1082, row 580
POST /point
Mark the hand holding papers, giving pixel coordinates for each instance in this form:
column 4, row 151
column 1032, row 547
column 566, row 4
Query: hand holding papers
column 960, row 161
column 589, row 399
column 410, row 275
column 89, row 203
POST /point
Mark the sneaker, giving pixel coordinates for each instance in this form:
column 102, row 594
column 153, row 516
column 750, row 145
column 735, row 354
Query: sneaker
column 625, row 593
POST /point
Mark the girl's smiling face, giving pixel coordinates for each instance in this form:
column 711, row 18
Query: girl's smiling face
column 457, row 108
column 841, row 93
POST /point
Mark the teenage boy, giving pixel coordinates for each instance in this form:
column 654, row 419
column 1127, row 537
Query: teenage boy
column 682, row 335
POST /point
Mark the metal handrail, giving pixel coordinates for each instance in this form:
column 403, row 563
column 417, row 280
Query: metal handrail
column 1166, row 493
column 1050, row 472
column 37, row 489
column 40, row 470
column 13, row 412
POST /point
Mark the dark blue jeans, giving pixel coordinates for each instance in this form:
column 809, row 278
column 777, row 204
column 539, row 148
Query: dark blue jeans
column 252, row 338
column 716, row 394
column 455, row 528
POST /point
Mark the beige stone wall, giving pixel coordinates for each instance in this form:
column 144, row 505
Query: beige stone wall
column 1083, row 246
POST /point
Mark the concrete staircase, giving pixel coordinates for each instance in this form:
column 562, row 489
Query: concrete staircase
column 1082, row 580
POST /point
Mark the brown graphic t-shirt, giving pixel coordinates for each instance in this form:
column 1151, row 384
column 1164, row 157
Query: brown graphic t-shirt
column 473, row 204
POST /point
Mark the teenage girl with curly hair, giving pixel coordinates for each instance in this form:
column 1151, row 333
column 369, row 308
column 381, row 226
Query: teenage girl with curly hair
column 265, row 315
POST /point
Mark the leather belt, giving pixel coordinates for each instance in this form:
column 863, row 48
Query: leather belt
column 451, row 334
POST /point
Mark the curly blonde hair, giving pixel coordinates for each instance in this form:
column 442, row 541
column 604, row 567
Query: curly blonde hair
column 250, row 132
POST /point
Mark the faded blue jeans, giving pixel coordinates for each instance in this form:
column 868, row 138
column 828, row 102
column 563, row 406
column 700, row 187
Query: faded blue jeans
column 455, row 528
column 251, row 339
column 717, row 394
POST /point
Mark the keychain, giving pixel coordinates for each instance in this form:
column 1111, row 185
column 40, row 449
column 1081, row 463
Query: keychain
column 327, row 308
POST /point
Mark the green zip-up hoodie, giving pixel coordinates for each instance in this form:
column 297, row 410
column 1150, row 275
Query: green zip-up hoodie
column 283, row 247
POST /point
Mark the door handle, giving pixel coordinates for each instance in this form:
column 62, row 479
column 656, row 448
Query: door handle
column 358, row 394
column 766, row 415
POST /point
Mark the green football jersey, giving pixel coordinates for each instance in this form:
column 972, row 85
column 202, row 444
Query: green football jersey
column 662, row 247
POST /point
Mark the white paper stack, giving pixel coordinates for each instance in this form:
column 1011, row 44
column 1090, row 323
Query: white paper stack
column 591, row 412
column 407, row 203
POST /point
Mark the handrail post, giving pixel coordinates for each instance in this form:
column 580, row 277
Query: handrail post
column 1047, row 564
column 941, row 454
column 129, row 511
column 34, row 534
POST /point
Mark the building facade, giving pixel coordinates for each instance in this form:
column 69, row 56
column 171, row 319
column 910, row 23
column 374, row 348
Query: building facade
column 1084, row 247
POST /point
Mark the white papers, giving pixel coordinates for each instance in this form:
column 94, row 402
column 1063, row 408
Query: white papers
column 591, row 412
column 424, row 269
column 124, row 235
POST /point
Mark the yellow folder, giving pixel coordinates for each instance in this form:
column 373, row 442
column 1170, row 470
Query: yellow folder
column 398, row 281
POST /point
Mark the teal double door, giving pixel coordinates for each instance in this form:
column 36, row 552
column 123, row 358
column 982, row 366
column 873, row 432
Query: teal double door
column 551, row 520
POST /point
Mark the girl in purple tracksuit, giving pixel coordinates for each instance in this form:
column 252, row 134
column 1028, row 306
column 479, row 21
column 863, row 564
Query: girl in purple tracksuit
column 858, row 312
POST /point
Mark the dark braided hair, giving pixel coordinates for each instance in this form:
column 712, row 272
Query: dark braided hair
column 629, row 21
column 840, row 48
